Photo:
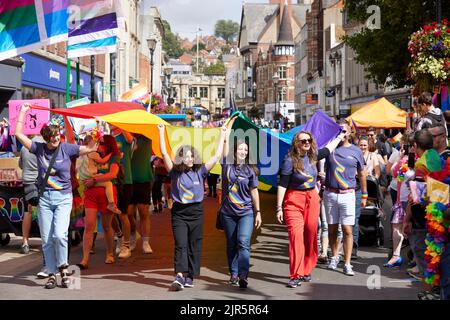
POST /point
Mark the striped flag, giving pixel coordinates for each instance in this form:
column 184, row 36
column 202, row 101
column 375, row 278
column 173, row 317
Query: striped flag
column 93, row 27
column 27, row 25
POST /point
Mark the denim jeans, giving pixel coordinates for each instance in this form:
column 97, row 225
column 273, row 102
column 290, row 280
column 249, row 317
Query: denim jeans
column 357, row 215
column 238, row 230
column 445, row 273
column 54, row 219
column 418, row 246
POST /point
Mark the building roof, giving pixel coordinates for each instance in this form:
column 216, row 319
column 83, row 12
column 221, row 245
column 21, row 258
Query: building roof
column 285, row 36
column 257, row 16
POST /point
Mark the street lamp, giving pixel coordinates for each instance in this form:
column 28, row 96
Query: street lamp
column 275, row 80
column 151, row 43
column 168, row 73
column 254, row 92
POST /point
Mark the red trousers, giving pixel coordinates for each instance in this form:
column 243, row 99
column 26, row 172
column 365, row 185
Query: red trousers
column 301, row 212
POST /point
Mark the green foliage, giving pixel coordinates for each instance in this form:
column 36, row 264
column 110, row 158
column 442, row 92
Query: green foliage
column 201, row 46
column 227, row 30
column 215, row 69
column 384, row 52
column 170, row 42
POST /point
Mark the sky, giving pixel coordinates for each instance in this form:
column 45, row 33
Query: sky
column 185, row 16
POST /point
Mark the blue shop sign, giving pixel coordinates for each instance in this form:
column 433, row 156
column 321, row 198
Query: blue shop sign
column 39, row 72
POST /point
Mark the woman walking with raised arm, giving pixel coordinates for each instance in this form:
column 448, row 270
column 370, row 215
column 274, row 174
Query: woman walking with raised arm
column 187, row 173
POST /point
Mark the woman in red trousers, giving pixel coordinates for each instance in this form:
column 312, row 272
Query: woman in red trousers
column 298, row 203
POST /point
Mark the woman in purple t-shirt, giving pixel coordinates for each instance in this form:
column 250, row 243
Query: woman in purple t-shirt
column 55, row 202
column 187, row 174
column 298, row 203
column 239, row 209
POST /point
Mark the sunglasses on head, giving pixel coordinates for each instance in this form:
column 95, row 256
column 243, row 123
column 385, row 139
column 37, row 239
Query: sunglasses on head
column 304, row 141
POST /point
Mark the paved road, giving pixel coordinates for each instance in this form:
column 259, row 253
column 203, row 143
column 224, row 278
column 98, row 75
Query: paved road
column 149, row 276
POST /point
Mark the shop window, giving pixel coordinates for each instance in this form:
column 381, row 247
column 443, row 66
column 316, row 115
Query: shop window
column 203, row 92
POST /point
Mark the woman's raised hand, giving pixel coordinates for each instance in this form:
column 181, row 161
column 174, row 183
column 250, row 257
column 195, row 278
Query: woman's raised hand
column 25, row 107
column 161, row 127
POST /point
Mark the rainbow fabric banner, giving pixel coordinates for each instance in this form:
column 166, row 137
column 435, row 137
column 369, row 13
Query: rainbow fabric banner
column 27, row 25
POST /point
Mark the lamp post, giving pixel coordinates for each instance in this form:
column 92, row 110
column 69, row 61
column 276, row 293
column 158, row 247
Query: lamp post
column 275, row 80
column 151, row 43
column 168, row 73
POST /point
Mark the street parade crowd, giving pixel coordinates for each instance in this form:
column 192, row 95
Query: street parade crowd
column 320, row 196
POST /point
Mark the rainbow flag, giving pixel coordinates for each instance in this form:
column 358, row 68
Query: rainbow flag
column 395, row 141
column 93, row 27
column 27, row 25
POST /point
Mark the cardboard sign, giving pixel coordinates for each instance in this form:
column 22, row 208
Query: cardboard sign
column 34, row 119
column 437, row 191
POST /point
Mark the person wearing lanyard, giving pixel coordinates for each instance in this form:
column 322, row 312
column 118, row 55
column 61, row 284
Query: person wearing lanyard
column 298, row 203
column 342, row 165
column 187, row 173
column 239, row 209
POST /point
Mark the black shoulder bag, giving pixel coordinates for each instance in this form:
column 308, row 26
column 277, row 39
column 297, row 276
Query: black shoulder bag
column 47, row 174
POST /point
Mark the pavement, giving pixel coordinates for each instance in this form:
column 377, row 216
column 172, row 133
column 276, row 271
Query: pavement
column 148, row 276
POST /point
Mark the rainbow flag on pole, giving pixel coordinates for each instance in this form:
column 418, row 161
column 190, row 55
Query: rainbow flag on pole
column 93, row 27
column 27, row 25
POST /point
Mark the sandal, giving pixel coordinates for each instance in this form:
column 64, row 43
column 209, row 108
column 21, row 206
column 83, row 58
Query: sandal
column 110, row 260
column 65, row 280
column 51, row 282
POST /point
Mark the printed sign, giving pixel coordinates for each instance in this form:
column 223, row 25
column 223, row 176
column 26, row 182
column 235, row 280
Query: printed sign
column 81, row 125
column 34, row 119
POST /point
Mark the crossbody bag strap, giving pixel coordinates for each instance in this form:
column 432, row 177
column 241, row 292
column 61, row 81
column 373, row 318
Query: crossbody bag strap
column 47, row 173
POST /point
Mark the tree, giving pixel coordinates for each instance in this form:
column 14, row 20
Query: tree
column 201, row 46
column 226, row 29
column 170, row 42
column 384, row 51
column 215, row 69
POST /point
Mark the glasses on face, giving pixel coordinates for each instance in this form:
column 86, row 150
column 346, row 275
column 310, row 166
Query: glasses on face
column 370, row 134
column 305, row 141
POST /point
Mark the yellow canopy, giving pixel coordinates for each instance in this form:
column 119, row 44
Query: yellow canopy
column 379, row 113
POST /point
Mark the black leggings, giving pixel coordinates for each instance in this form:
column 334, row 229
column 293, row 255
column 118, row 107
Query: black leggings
column 212, row 183
column 187, row 227
column 157, row 191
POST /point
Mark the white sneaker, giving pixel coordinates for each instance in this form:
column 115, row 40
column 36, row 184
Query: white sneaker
column 348, row 270
column 334, row 261
column 124, row 253
column 119, row 245
column 146, row 247
column 43, row 274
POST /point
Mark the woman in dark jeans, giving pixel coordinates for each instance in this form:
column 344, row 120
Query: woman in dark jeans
column 240, row 209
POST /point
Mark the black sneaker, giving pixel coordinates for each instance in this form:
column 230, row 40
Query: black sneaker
column 243, row 283
column 306, row 278
column 178, row 283
column 294, row 283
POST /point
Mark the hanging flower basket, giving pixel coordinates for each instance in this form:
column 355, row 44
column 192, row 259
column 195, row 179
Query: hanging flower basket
column 430, row 56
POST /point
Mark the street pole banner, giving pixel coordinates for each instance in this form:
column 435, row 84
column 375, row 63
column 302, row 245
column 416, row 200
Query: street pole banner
column 34, row 118
column 93, row 27
column 28, row 25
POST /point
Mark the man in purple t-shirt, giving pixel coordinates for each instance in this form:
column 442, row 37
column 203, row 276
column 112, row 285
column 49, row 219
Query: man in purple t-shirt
column 341, row 167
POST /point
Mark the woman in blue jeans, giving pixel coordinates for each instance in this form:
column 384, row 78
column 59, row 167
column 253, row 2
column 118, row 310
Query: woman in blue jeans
column 240, row 210
column 55, row 204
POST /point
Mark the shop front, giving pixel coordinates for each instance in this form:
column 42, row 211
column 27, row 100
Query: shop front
column 10, row 83
column 46, row 79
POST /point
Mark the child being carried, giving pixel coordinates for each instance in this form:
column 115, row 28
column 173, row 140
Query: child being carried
column 87, row 169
